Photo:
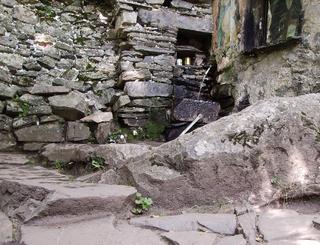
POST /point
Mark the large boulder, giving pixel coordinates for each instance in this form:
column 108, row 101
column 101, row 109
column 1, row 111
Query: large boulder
column 266, row 152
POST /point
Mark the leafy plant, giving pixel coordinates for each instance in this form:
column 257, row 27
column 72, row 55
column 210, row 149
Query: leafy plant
column 142, row 204
column 23, row 105
column 275, row 181
column 59, row 165
column 153, row 130
column 46, row 13
column 97, row 162
column 117, row 136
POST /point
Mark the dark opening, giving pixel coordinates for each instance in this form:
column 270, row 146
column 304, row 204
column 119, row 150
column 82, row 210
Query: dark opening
column 256, row 24
column 167, row 3
column 193, row 44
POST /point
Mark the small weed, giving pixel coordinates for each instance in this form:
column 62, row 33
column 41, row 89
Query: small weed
column 97, row 162
column 59, row 165
column 142, row 204
column 154, row 130
column 275, row 181
column 46, row 13
column 81, row 40
column 118, row 136
column 24, row 106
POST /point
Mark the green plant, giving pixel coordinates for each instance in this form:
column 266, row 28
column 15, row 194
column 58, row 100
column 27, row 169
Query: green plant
column 153, row 130
column 142, row 204
column 97, row 162
column 46, row 12
column 275, row 181
column 23, row 105
column 81, row 40
column 59, row 165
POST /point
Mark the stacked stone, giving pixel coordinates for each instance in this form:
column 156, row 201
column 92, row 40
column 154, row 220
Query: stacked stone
column 146, row 68
column 199, row 9
column 57, row 66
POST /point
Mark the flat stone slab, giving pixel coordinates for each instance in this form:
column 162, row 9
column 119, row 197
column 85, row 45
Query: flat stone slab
column 233, row 240
column 276, row 224
column 35, row 192
column 98, row 117
column 13, row 158
column 188, row 109
column 190, row 237
column 148, row 89
column 247, row 222
column 95, row 232
column 219, row 223
column 295, row 242
column 165, row 17
column 5, row 228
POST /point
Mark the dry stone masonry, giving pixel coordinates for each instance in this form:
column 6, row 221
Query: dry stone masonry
column 56, row 62
column 70, row 71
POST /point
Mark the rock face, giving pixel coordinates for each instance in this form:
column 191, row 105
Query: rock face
column 263, row 153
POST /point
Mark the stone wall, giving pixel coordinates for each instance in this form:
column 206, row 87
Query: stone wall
column 149, row 31
column 287, row 68
column 57, row 65
column 71, row 70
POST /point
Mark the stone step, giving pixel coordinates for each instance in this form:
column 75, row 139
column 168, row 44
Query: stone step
column 31, row 193
column 14, row 158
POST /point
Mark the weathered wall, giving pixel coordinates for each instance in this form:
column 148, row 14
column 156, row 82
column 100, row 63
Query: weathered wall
column 57, row 65
column 61, row 61
column 289, row 69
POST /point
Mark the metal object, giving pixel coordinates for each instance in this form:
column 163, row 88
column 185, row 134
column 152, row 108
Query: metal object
column 187, row 61
column 179, row 62
column 191, row 124
column 203, row 79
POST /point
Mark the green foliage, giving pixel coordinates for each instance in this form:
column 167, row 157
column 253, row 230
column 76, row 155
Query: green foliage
column 59, row 165
column 24, row 106
column 142, row 204
column 115, row 136
column 153, row 130
column 81, row 40
column 97, row 163
column 46, row 13
column 275, row 181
